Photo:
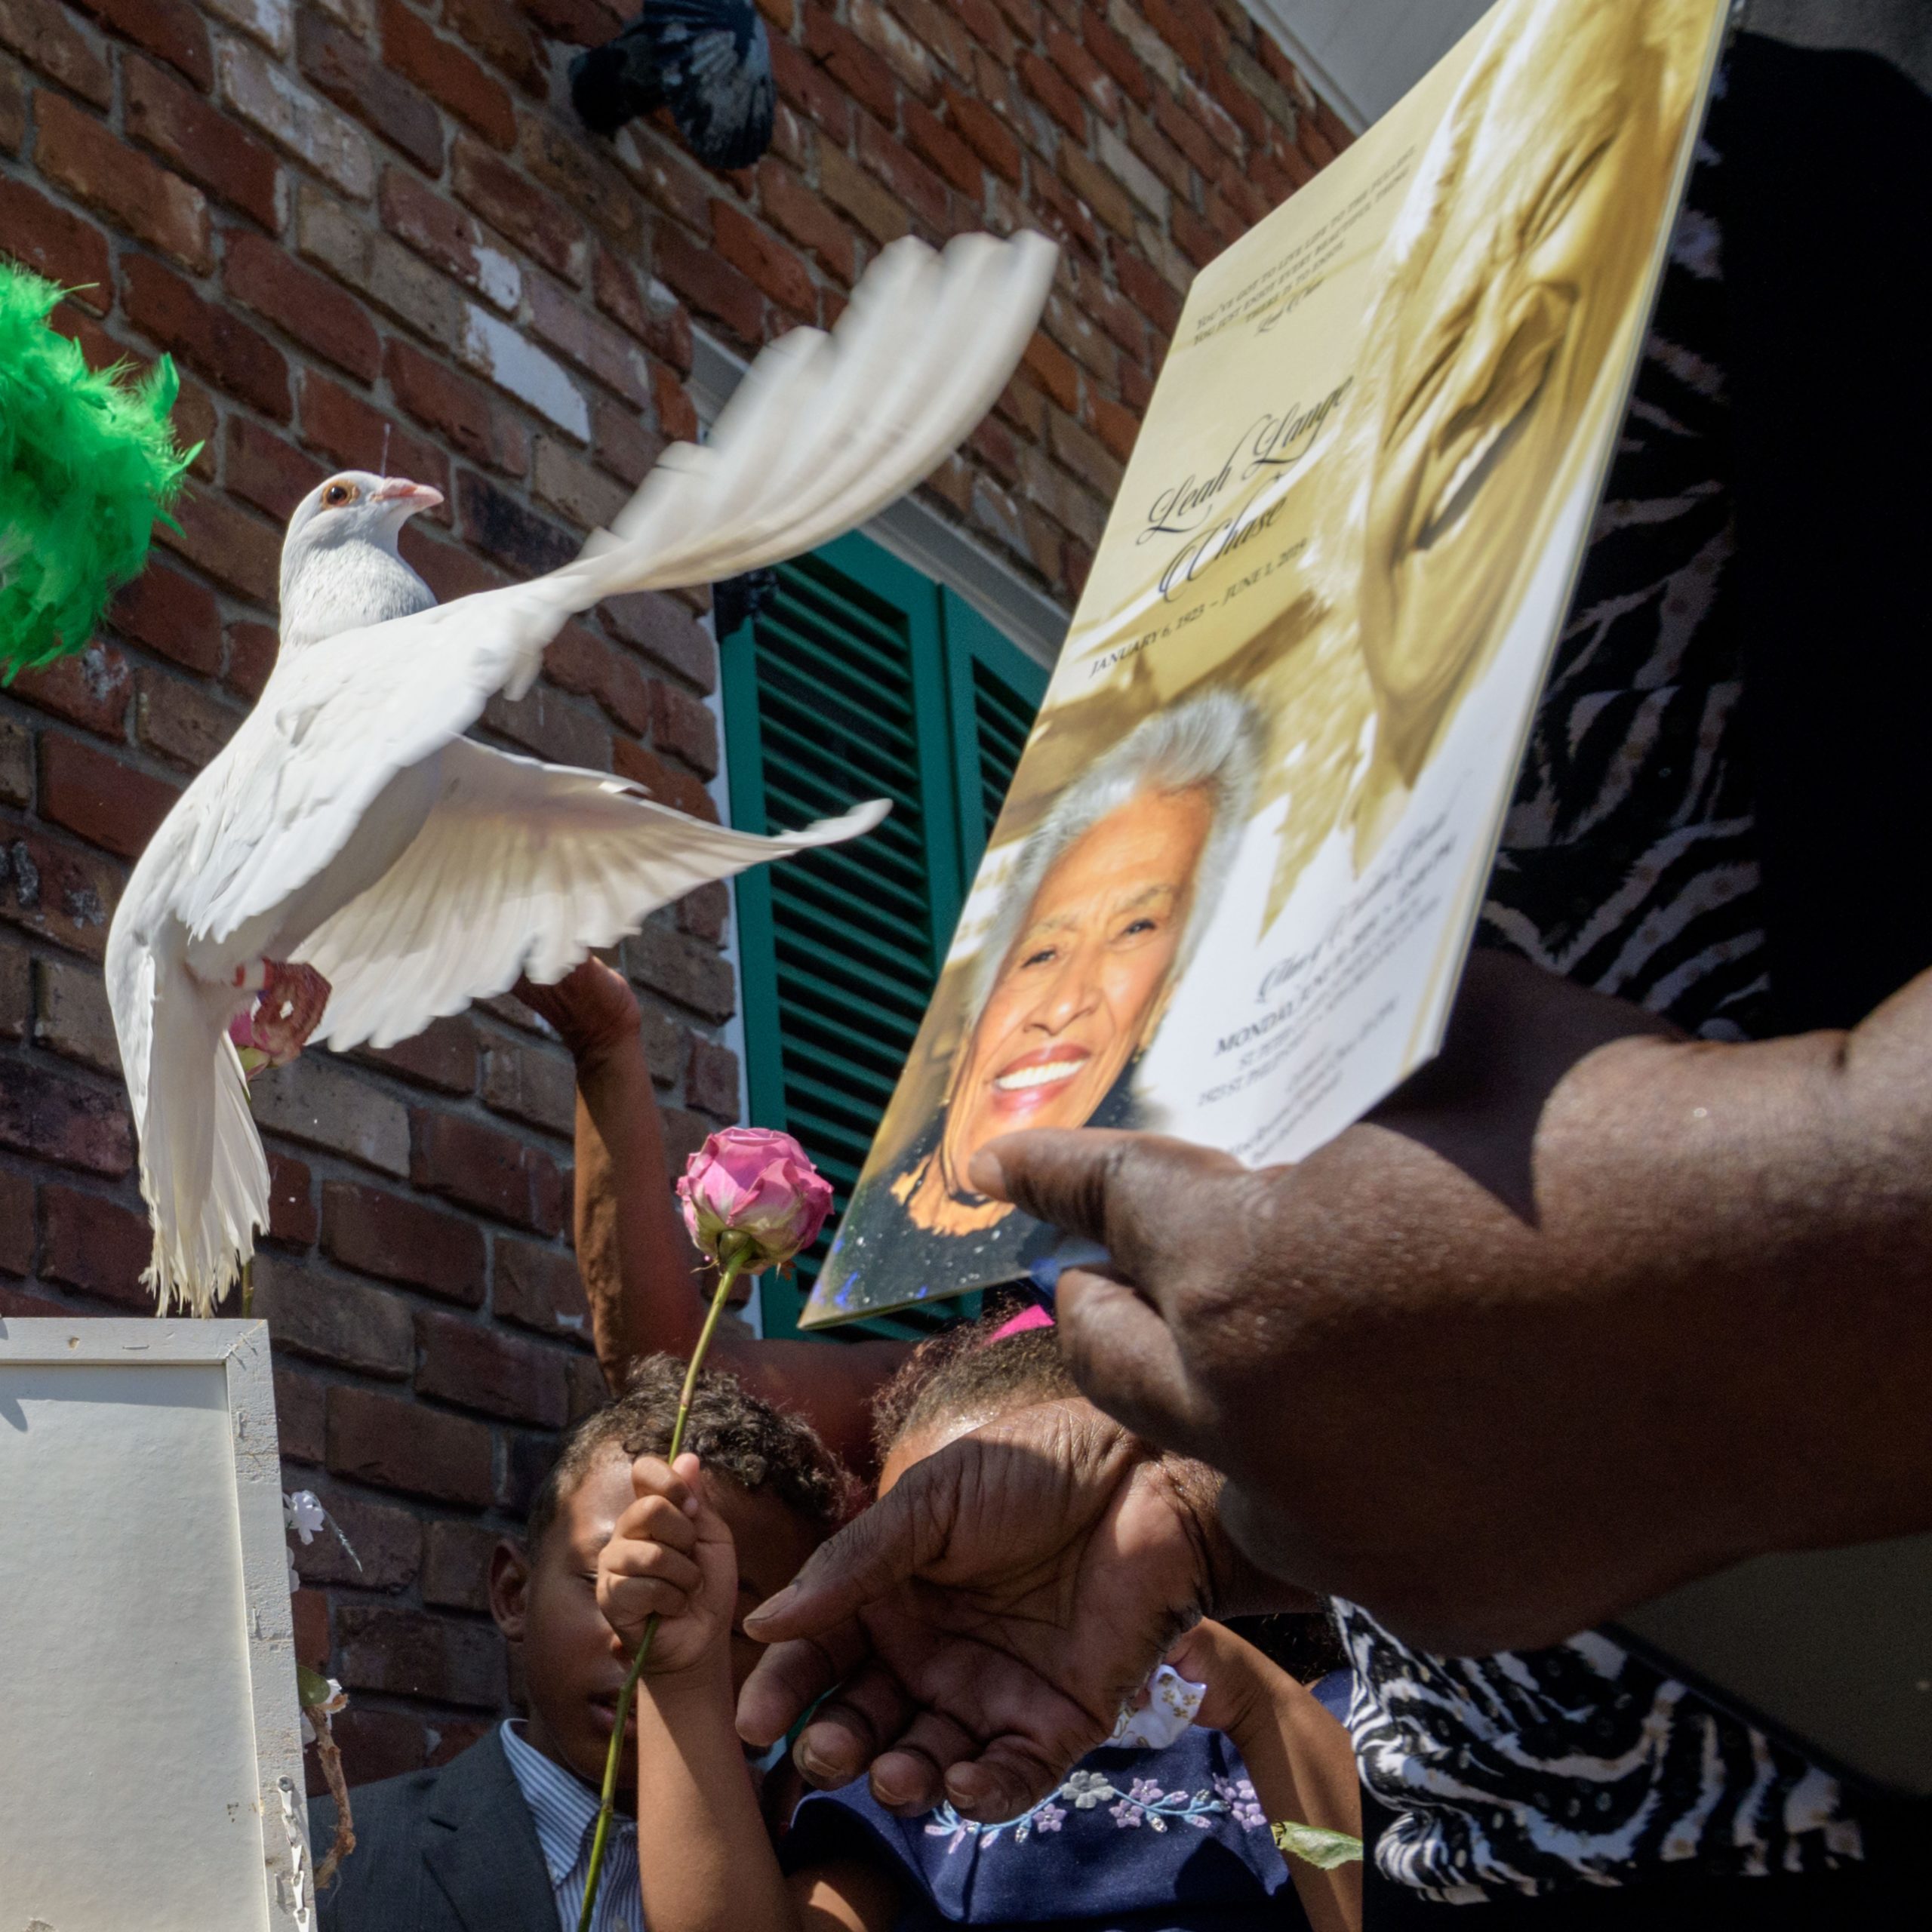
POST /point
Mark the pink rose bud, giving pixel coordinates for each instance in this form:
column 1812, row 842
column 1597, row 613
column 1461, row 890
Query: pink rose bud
column 759, row 1187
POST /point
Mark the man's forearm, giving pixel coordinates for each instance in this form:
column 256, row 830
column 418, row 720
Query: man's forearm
column 1702, row 1330
column 1767, row 1209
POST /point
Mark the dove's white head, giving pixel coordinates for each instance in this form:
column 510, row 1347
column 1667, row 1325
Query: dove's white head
column 340, row 567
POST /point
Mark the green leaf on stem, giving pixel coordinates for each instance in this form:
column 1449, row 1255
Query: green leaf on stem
column 1325, row 1849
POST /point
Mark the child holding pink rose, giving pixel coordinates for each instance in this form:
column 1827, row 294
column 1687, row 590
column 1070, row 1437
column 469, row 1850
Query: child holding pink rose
column 500, row 1834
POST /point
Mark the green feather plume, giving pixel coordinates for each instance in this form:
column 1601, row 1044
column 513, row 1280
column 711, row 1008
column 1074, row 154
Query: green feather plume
column 88, row 463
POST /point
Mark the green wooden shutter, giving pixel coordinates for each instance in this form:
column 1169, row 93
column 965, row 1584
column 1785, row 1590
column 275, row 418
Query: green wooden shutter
column 994, row 689
column 862, row 679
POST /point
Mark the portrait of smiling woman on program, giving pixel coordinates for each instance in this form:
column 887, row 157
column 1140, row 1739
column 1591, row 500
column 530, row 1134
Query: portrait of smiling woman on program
column 1099, row 917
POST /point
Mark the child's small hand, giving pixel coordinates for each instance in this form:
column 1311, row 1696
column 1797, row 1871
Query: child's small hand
column 670, row 1555
column 1210, row 1653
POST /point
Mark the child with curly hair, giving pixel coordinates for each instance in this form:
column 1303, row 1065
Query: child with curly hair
column 500, row 1835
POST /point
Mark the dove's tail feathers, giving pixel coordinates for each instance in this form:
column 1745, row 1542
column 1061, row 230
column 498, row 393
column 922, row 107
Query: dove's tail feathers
column 521, row 868
column 203, row 1173
column 825, row 431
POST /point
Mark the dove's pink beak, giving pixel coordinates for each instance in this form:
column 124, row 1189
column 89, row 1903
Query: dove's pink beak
column 415, row 496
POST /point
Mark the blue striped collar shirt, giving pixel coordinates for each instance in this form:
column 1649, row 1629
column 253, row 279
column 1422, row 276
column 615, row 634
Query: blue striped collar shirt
column 564, row 1809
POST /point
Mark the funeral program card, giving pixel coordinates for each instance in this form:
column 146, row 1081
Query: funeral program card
column 1230, row 894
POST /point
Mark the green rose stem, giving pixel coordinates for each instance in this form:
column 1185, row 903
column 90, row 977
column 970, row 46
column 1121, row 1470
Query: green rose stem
column 734, row 1250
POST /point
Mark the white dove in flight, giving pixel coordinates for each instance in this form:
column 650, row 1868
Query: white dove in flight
column 355, row 863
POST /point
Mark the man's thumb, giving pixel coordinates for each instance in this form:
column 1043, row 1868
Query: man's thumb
column 868, row 1558
column 1100, row 1183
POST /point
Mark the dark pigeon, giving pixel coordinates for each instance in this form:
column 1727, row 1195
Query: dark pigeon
column 737, row 600
column 707, row 60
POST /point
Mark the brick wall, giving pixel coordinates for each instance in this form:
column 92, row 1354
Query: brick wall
column 363, row 218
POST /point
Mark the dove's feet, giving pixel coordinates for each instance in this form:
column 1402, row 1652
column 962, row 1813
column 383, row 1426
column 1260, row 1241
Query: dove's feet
column 289, row 1009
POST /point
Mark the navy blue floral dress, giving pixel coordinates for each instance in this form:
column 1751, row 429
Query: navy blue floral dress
column 1134, row 1840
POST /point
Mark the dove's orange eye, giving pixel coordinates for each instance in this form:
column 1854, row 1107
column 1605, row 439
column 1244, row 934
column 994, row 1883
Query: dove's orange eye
column 336, row 494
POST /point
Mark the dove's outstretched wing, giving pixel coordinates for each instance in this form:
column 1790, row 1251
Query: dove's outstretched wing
column 520, row 868
column 824, row 431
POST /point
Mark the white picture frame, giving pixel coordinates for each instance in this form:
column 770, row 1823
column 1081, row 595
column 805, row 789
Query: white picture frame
column 150, row 1748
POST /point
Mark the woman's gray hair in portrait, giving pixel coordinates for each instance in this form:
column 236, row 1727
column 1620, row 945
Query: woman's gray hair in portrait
column 1211, row 743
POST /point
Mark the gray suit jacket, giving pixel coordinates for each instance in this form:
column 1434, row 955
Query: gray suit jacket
column 452, row 1849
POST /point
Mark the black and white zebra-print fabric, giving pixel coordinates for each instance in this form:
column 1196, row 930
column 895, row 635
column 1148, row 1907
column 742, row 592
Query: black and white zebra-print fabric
column 1628, row 863
column 1536, row 1772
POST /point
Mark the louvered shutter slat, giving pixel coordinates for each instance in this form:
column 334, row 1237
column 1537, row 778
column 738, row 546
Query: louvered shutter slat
column 870, row 769
column 894, row 888
column 1004, row 719
column 843, row 674
column 819, row 942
